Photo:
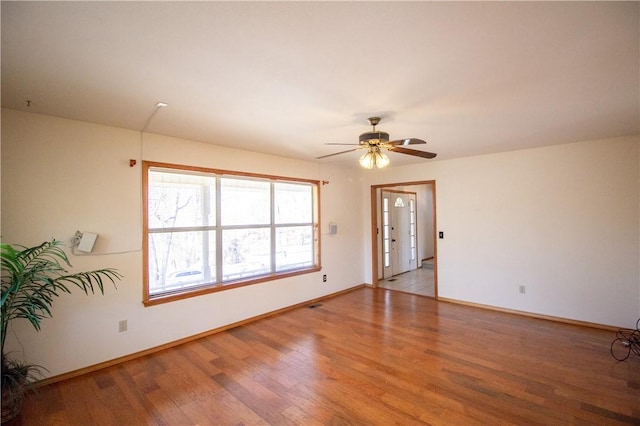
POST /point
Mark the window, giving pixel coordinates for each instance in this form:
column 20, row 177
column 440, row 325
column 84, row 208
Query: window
column 209, row 230
column 412, row 230
column 386, row 233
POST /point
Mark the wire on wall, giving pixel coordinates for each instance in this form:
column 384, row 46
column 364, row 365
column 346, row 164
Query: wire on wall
column 132, row 163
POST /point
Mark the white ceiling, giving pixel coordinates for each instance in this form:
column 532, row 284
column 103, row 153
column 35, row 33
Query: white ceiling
column 287, row 77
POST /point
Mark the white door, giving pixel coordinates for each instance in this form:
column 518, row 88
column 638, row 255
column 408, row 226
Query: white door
column 399, row 250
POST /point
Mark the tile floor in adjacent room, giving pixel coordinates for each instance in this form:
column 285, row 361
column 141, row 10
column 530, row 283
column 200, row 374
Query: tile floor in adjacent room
column 418, row 281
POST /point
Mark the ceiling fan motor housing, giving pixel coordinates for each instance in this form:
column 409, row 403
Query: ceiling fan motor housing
column 375, row 137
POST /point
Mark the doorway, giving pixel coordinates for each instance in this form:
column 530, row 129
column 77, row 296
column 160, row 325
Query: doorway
column 404, row 212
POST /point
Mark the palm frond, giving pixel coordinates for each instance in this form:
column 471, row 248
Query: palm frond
column 32, row 277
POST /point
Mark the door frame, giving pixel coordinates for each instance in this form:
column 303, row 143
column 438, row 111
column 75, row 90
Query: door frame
column 374, row 229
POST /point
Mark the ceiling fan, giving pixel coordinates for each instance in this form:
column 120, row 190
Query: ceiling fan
column 375, row 142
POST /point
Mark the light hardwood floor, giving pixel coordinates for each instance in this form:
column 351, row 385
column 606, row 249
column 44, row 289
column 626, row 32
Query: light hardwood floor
column 368, row 357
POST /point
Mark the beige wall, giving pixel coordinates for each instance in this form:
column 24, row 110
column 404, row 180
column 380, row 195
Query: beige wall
column 561, row 220
column 59, row 176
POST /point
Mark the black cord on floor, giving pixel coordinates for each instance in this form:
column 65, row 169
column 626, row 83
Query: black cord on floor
column 627, row 341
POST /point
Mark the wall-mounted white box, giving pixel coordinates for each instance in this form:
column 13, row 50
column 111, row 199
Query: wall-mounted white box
column 87, row 241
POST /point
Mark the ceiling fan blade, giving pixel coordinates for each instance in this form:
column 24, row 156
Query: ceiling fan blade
column 337, row 153
column 407, row 141
column 414, row 152
column 346, row 144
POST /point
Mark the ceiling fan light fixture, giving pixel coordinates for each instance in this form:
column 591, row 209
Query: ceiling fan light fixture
column 376, row 140
column 374, row 159
column 374, row 137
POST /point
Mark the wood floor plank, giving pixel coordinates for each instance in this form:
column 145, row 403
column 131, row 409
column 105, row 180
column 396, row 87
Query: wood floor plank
column 371, row 356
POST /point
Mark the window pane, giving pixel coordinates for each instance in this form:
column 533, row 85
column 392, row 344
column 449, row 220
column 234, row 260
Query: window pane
column 180, row 260
column 245, row 202
column 294, row 247
column 245, row 253
column 176, row 200
column 293, row 203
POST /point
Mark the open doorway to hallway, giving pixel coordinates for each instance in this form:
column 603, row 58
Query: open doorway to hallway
column 418, row 281
column 404, row 255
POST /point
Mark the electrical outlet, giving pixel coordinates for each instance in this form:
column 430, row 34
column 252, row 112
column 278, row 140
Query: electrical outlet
column 522, row 289
column 324, row 278
column 122, row 326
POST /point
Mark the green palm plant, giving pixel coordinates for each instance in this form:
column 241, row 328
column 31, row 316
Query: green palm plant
column 32, row 277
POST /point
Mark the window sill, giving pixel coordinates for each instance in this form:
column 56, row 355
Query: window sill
column 185, row 294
